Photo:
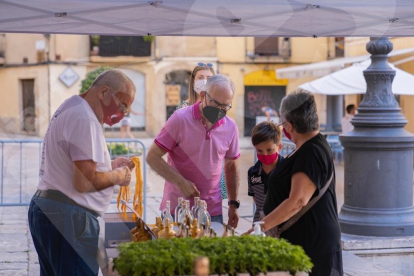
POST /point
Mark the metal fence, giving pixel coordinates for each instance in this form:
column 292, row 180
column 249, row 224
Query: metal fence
column 21, row 160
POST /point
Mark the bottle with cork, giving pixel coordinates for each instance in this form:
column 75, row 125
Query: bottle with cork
column 167, row 233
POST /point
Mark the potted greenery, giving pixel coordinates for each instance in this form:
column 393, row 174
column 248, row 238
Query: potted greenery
column 120, row 149
column 231, row 255
column 91, row 76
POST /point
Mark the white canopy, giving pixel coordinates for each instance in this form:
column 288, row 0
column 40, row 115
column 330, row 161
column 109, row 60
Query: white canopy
column 210, row 18
column 319, row 69
column 351, row 81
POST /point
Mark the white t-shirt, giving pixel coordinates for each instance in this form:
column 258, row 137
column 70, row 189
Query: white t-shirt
column 74, row 134
column 346, row 124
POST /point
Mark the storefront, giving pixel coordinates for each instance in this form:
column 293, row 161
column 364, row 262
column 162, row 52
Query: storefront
column 261, row 90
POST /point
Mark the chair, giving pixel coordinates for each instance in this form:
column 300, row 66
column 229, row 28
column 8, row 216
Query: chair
column 336, row 147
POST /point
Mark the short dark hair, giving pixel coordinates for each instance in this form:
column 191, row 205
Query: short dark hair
column 349, row 108
column 266, row 131
column 299, row 109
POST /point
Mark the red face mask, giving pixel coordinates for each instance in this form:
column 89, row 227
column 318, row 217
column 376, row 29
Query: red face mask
column 111, row 112
column 287, row 134
column 267, row 159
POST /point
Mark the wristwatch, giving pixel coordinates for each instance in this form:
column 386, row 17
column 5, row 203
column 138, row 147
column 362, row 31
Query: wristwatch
column 235, row 203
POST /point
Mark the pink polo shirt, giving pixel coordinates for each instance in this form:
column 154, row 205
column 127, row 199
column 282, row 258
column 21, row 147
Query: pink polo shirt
column 198, row 154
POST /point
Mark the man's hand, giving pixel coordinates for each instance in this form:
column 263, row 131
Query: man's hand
column 188, row 189
column 233, row 216
column 122, row 162
column 124, row 175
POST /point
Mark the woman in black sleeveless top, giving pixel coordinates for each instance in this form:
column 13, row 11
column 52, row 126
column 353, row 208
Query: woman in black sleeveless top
column 300, row 178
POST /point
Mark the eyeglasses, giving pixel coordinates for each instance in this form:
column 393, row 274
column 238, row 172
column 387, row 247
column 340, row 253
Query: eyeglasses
column 122, row 108
column 201, row 64
column 214, row 103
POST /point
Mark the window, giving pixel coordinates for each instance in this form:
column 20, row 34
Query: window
column 339, row 47
column 113, row 46
column 266, row 46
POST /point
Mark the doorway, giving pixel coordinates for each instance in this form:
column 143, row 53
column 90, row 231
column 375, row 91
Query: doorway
column 28, row 105
column 176, row 85
column 262, row 90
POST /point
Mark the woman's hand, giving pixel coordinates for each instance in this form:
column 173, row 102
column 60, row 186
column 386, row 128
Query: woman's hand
column 122, row 162
column 248, row 232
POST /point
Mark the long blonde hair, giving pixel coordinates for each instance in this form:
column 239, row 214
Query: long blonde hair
column 193, row 95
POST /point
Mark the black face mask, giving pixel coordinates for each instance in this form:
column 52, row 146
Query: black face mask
column 213, row 114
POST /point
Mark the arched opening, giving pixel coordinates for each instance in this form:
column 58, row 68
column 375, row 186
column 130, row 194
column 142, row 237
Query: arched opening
column 176, row 89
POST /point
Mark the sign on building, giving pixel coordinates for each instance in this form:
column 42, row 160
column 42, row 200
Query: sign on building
column 173, row 94
column 68, row 77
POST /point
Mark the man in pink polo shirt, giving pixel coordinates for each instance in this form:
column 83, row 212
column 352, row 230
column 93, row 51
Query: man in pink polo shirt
column 198, row 138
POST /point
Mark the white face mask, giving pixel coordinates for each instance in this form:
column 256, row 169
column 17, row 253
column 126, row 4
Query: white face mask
column 200, row 85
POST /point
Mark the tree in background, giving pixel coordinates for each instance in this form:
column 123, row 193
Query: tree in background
column 91, row 76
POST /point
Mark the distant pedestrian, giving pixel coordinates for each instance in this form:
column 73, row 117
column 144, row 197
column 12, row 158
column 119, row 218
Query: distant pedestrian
column 126, row 124
column 346, row 120
column 268, row 111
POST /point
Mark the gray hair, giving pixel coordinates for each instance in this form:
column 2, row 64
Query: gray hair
column 116, row 80
column 221, row 81
column 299, row 109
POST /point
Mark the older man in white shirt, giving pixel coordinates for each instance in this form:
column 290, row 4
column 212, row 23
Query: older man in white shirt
column 77, row 177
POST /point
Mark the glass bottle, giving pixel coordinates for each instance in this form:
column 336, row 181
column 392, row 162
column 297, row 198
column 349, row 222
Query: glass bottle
column 226, row 229
column 197, row 209
column 167, row 213
column 167, row 232
column 180, row 233
column 156, row 229
column 211, row 235
column 185, row 211
column 187, row 232
column 193, row 209
column 202, row 232
column 181, row 213
column 194, row 231
column 178, row 208
column 204, row 216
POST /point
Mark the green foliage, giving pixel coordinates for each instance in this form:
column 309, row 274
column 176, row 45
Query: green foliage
column 95, row 40
column 91, row 76
column 245, row 254
column 120, row 149
column 148, row 38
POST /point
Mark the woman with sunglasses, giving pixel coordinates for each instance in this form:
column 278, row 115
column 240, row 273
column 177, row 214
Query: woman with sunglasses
column 198, row 79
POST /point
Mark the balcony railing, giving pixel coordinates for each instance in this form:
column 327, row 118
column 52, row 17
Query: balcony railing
column 113, row 46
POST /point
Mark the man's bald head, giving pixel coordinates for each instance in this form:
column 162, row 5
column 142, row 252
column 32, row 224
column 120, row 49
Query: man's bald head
column 116, row 80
